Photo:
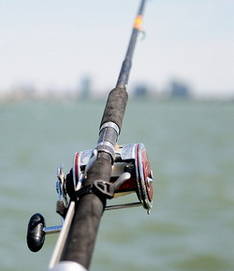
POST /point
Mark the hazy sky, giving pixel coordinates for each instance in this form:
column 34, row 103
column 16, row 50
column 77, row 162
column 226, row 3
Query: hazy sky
column 53, row 43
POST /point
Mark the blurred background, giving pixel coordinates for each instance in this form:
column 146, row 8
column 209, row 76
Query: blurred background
column 58, row 60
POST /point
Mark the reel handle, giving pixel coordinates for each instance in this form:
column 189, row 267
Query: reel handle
column 35, row 232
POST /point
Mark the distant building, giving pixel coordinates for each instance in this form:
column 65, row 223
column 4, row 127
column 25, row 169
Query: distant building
column 24, row 91
column 85, row 88
column 141, row 91
column 178, row 89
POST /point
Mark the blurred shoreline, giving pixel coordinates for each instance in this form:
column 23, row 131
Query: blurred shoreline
column 18, row 96
column 174, row 89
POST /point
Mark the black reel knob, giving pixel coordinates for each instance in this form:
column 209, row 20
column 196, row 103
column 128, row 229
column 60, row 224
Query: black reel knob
column 35, row 232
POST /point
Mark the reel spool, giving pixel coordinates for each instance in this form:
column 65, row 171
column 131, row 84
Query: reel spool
column 130, row 158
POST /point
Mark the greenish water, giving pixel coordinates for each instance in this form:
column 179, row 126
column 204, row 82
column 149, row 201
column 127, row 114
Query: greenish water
column 191, row 146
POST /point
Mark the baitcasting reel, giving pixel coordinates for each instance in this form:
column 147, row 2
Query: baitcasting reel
column 131, row 173
column 131, row 158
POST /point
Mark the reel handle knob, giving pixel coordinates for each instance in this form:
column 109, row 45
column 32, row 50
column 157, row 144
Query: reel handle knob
column 35, row 232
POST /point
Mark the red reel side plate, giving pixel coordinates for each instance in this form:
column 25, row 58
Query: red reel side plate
column 144, row 178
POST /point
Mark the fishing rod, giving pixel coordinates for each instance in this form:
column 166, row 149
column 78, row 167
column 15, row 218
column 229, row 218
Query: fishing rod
column 97, row 175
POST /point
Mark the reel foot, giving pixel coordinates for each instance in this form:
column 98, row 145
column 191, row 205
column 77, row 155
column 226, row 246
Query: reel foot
column 35, row 232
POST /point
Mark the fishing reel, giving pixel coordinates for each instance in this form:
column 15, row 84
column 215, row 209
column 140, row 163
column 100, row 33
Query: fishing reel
column 131, row 173
column 131, row 159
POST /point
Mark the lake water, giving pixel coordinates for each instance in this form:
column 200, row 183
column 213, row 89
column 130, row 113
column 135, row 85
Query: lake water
column 191, row 147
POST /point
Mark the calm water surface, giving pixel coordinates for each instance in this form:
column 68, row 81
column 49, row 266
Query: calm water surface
column 191, row 146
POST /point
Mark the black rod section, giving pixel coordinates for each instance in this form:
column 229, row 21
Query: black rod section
column 89, row 208
column 127, row 63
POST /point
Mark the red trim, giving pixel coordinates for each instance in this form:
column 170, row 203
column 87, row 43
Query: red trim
column 147, row 173
column 76, row 167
